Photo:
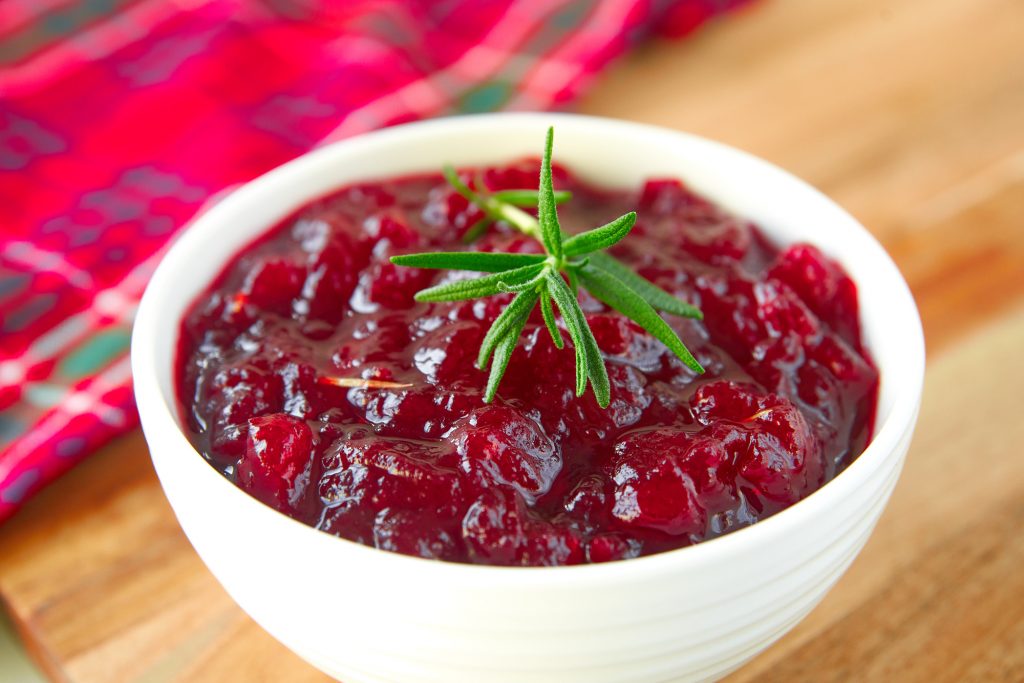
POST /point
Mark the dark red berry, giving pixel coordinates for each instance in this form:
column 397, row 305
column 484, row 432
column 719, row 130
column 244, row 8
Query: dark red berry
column 610, row 547
column 411, row 533
column 389, row 472
column 671, row 480
column 277, row 460
column 271, row 286
column 500, row 444
column 823, row 286
column 493, row 528
column 234, row 395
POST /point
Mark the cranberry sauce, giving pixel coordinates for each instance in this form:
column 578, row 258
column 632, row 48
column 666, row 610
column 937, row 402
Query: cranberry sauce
column 417, row 463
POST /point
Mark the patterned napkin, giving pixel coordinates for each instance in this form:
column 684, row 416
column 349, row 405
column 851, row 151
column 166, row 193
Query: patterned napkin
column 119, row 119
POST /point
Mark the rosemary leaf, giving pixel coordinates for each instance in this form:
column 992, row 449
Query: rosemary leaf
column 477, row 230
column 502, row 355
column 600, row 238
column 484, row 262
column 574, row 282
column 535, row 276
column 547, row 215
column 563, row 299
column 528, row 198
column 613, row 292
column 651, row 293
column 452, row 176
column 549, row 320
column 514, row 316
column 589, row 362
column 488, row 285
column 596, row 370
column 523, row 286
column 598, row 373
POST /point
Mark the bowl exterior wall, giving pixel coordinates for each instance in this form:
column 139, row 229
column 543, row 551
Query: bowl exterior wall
column 367, row 621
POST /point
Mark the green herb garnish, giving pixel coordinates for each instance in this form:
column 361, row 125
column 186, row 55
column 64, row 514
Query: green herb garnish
column 539, row 278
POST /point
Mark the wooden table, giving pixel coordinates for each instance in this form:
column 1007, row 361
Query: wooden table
column 911, row 115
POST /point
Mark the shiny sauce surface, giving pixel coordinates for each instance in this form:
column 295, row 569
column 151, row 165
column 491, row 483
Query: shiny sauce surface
column 415, row 462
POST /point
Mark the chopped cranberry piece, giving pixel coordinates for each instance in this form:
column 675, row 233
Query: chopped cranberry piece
column 670, row 480
column 622, row 339
column 371, row 196
column 817, row 388
column 498, row 530
column 374, row 341
column 842, row 362
column 276, row 464
column 549, row 545
column 521, row 176
column 301, row 388
column 501, row 444
column 783, row 461
column 824, row 287
column 383, row 285
column 729, row 304
column 349, row 520
column 407, row 532
column 448, row 352
column 390, row 472
column 452, row 209
column 479, row 310
column 588, row 500
column 420, row 411
column 335, row 251
column 391, row 228
column 783, row 313
column 719, row 239
column 235, row 395
column 726, row 400
column 271, row 286
column 666, row 196
column 609, row 547
column 493, row 528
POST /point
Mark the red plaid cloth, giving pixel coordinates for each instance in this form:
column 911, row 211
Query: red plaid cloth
column 119, row 119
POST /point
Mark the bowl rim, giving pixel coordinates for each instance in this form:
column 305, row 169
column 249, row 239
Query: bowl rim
column 159, row 410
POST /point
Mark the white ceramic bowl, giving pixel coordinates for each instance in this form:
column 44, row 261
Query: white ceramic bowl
column 693, row 614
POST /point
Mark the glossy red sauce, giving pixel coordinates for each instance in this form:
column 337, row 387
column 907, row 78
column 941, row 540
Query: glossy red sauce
column 539, row 477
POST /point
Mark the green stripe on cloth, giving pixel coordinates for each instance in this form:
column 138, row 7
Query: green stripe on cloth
column 96, row 352
column 484, row 97
column 56, row 26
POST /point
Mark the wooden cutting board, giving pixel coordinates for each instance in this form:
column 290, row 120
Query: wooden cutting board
column 910, row 114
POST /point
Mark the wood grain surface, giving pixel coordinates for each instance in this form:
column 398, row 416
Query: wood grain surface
column 911, row 115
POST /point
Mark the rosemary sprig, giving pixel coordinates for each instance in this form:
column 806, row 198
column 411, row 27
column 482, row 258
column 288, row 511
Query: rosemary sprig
column 539, row 278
